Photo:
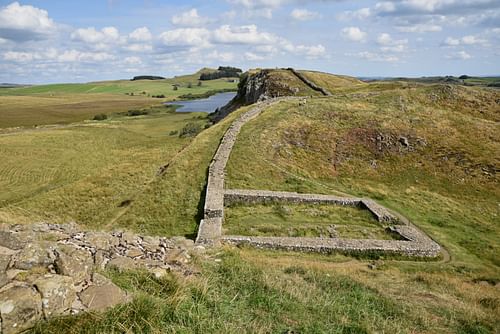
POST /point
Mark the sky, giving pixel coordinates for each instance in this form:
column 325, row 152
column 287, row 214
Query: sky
column 81, row 41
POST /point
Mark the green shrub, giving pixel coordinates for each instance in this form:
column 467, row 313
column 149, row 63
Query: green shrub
column 190, row 130
column 100, row 117
column 137, row 112
column 173, row 133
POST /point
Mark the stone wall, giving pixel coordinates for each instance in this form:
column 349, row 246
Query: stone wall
column 48, row 269
column 310, row 83
column 413, row 243
column 214, row 199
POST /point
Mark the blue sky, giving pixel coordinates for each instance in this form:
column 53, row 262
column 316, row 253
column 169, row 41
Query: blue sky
column 79, row 41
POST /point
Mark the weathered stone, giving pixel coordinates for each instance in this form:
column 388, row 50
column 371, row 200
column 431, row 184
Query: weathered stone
column 20, row 307
column 101, row 240
column 151, row 244
column 12, row 273
column 5, row 256
column 100, row 259
column 58, row 294
column 134, row 252
column 33, row 255
column 74, row 262
column 129, row 238
column 4, row 279
column 122, row 263
column 178, row 257
column 11, row 240
column 103, row 295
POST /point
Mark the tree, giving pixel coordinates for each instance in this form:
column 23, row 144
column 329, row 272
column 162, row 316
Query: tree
column 175, row 87
column 199, row 83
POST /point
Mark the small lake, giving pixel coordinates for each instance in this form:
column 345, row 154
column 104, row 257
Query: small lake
column 205, row 105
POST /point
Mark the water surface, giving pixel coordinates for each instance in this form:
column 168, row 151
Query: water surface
column 205, row 105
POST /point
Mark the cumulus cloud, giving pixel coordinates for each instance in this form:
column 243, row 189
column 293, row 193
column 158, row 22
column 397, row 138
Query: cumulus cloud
column 21, row 23
column 249, row 34
column 388, row 44
column 303, row 15
column 354, row 34
column 460, row 55
column 360, row 14
column 92, row 36
column 371, row 56
column 250, row 56
column 186, row 37
column 140, row 35
column 190, row 18
column 60, row 56
column 466, row 40
column 420, row 28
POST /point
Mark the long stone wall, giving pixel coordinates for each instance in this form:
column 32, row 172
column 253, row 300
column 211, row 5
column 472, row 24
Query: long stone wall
column 211, row 226
column 413, row 242
column 310, row 83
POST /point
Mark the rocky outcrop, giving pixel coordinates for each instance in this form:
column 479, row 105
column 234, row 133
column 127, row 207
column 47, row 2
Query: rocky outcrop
column 49, row 269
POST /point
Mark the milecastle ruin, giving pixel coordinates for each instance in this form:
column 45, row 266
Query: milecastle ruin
column 413, row 242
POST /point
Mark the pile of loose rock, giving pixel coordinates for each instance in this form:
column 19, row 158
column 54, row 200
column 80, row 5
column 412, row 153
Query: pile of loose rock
column 49, row 269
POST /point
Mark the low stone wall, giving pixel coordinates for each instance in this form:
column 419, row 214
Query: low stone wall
column 214, row 199
column 413, row 243
column 232, row 196
column 310, row 83
column 48, row 270
column 330, row 245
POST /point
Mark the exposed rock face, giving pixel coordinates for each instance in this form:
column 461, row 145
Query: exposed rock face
column 48, row 269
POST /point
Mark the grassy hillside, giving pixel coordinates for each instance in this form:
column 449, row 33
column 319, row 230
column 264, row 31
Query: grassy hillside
column 66, row 103
column 331, row 82
column 85, row 172
column 427, row 151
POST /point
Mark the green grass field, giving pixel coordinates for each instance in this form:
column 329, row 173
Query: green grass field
column 302, row 220
column 429, row 152
column 83, row 172
column 66, row 103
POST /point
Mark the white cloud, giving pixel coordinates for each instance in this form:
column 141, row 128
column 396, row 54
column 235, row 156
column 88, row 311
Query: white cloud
column 242, row 35
column 221, row 56
column 258, row 3
column 138, row 47
column 354, row 34
column 466, row 40
column 420, row 28
column 450, row 41
column 371, row 56
column 303, row 14
column 471, row 40
column 461, row 55
column 311, row 52
column 92, row 36
column 388, row 44
column 250, row 56
column 23, row 23
column 140, row 35
column 88, row 57
column 184, row 37
column 360, row 14
column 20, row 57
column 190, row 18
column 52, row 54
column 132, row 61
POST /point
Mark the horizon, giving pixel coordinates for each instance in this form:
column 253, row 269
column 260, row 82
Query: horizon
column 44, row 43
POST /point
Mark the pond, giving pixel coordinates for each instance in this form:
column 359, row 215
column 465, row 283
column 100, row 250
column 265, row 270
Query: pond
column 205, row 105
